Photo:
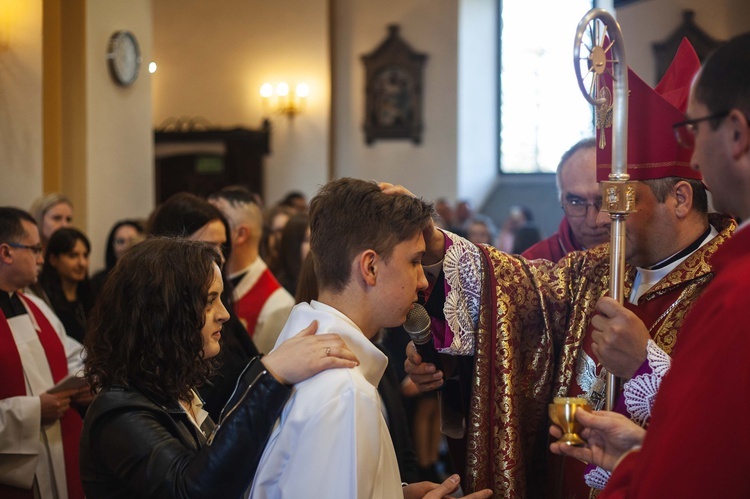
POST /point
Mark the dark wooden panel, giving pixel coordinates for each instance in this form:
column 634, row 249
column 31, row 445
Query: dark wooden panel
column 203, row 161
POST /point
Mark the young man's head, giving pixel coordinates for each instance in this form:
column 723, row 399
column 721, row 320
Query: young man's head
column 719, row 125
column 364, row 240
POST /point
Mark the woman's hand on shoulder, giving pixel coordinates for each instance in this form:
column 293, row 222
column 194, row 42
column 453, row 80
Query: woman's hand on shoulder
column 307, row 354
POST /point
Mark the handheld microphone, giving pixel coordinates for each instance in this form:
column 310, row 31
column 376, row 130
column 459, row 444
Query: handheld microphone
column 417, row 325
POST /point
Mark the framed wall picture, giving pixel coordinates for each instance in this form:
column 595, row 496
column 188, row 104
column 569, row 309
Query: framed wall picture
column 394, row 76
column 702, row 42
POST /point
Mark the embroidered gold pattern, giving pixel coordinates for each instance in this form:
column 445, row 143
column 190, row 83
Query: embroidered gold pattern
column 539, row 311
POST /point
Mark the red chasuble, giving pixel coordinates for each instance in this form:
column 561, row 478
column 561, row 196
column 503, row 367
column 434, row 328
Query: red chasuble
column 532, row 323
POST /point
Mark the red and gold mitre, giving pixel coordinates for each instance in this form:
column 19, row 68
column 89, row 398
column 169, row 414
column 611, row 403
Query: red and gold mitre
column 653, row 151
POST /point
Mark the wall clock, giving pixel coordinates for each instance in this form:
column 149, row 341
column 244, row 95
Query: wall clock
column 124, row 57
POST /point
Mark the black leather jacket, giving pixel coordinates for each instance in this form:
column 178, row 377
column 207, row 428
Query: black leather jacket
column 134, row 447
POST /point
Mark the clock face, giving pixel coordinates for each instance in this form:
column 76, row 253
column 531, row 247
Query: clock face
column 124, row 57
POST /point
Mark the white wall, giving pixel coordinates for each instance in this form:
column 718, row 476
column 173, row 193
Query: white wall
column 215, row 55
column 431, row 27
column 212, row 59
column 477, row 99
column 20, row 102
column 119, row 155
column 112, row 177
column 649, row 21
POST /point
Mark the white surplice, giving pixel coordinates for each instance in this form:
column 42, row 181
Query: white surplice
column 29, row 450
column 331, row 440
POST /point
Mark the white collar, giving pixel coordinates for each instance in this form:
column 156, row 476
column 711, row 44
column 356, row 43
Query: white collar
column 256, row 268
column 645, row 279
column 372, row 362
column 196, row 405
column 251, row 275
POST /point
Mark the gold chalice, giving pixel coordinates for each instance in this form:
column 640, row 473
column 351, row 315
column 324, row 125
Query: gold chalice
column 563, row 414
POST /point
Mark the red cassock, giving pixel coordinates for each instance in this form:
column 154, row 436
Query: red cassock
column 555, row 247
column 699, row 437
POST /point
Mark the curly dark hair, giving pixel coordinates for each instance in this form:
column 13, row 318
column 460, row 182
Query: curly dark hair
column 145, row 329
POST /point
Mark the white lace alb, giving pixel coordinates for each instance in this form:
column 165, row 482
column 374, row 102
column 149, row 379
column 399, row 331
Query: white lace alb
column 463, row 273
column 640, row 391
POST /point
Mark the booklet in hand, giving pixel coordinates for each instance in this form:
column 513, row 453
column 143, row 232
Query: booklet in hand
column 69, row 382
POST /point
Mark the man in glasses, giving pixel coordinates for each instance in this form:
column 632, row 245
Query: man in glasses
column 39, row 431
column 580, row 200
column 544, row 329
column 708, row 381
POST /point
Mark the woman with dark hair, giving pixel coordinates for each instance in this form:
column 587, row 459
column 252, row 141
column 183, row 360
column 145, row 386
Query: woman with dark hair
column 307, row 286
column 150, row 344
column 122, row 236
column 188, row 216
column 292, row 250
column 65, row 280
column 274, row 221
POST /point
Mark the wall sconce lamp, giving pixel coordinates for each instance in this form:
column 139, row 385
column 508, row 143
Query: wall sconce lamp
column 10, row 14
column 279, row 100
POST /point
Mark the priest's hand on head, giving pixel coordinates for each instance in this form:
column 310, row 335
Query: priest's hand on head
column 619, row 338
column 433, row 238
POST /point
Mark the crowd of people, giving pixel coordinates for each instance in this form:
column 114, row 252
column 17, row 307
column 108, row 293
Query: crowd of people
column 135, row 320
column 229, row 349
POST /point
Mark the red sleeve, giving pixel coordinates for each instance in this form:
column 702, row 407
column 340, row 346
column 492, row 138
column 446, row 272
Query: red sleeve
column 548, row 249
column 617, row 487
column 698, row 439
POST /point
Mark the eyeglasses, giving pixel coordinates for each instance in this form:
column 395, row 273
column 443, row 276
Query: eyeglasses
column 36, row 249
column 579, row 207
column 684, row 131
column 121, row 240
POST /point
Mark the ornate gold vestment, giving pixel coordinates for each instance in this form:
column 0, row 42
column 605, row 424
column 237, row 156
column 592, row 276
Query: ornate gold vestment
column 533, row 317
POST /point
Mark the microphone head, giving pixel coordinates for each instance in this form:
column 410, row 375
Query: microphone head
column 417, row 325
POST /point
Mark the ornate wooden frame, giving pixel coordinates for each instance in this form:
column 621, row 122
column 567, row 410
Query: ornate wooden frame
column 394, row 75
column 702, row 42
